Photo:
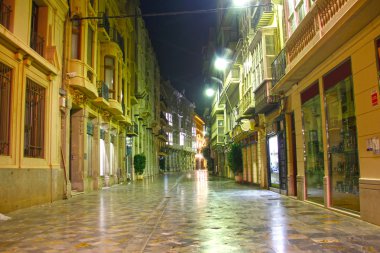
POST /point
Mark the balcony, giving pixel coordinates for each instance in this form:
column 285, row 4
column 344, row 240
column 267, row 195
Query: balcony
column 163, row 120
column 278, row 67
column 5, row 15
column 262, row 17
column 217, row 136
column 164, row 151
column 102, row 99
column 114, row 107
column 233, row 77
column 83, row 79
column 162, row 136
column 325, row 28
column 265, row 102
column 132, row 130
column 218, row 109
column 247, row 103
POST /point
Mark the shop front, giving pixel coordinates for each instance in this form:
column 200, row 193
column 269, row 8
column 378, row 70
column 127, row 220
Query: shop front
column 313, row 144
column 342, row 138
column 276, row 150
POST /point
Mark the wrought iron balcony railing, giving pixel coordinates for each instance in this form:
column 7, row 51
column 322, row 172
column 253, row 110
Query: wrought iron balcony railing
column 37, row 43
column 103, row 90
column 133, row 130
column 259, row 13
column 278, row 67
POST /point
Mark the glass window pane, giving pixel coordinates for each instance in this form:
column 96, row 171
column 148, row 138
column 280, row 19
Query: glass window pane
column 274, row 162
column 313, row 147
column 90, row 37
column 342, row 141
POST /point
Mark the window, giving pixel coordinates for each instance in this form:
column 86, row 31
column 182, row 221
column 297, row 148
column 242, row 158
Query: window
column 34, row 120
column 5, row 14
column 270, row 46
column 5, row 107
column 301, row 11
column 37, row 42
column 170, row 138
column 75, row 39
column 181, row 139
column 169, row 117
column 109, row 74
column 90, row 40
column 220, row 130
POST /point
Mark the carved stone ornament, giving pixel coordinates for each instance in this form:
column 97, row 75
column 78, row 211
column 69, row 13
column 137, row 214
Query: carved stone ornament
column 78, row 97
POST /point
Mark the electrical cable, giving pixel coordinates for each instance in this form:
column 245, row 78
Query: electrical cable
column 175, row 13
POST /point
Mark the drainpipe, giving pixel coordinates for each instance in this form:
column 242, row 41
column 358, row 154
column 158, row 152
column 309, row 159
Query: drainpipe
column 63, row 94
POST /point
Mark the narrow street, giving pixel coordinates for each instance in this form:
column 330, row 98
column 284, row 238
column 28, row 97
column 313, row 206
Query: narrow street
column 184, row 213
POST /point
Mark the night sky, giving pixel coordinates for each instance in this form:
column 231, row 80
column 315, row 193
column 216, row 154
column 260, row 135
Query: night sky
column 178, row 42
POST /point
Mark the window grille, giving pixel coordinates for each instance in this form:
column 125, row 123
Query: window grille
column 34, row 120
column 5, row 107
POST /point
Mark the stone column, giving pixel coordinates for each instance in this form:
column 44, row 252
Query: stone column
column 97, row 183
column 107, row 156
column 122, row 156
column 77, row 150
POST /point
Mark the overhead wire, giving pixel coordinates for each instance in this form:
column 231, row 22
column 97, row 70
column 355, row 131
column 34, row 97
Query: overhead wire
column 174, row 13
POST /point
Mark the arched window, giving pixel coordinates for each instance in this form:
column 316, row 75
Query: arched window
column 75, row 38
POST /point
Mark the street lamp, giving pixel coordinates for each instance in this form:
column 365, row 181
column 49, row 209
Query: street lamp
column 210, row 92
column 221, row 63
column 241, row 3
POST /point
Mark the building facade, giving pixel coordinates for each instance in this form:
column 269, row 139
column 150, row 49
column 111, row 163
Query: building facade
column 308, row 101
column 179, row 129
column 327, row 74
column 80, row 96
column 31, row 78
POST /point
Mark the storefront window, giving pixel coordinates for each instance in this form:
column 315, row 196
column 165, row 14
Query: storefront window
column 342, row 138
column 273, row 161
column 313, row 148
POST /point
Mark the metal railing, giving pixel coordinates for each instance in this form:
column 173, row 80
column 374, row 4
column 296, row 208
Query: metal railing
column 133, row 129
column 259, row 13
column 279, row 67
column 103, row 90
column 37, row 43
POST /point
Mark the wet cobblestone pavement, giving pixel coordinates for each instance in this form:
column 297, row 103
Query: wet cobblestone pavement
column 184, row 213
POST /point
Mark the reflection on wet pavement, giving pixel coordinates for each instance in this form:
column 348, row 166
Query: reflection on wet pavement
column 184, row 213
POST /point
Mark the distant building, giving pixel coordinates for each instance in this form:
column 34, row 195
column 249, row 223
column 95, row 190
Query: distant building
column 179, row 115
column 199, row 142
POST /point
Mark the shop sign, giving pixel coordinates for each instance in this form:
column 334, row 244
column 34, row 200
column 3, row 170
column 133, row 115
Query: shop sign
column 374, row 98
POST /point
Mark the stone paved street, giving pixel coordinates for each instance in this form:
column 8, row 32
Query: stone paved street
column 184, row 213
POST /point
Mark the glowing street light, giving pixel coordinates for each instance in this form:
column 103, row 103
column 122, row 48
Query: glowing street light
column 241, row 3
column 210, row 92
column 220, row 63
